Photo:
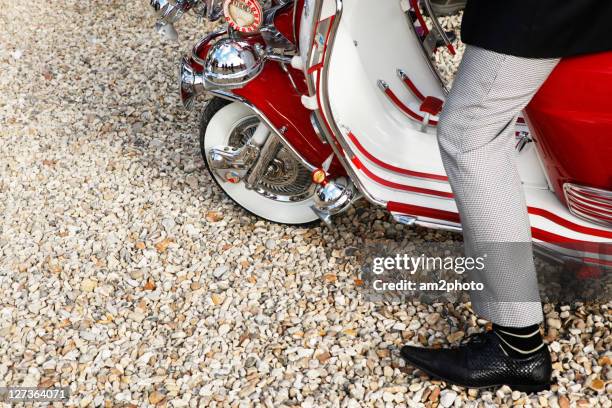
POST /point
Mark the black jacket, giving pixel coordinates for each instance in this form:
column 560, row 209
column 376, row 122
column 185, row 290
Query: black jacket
column 539, row 28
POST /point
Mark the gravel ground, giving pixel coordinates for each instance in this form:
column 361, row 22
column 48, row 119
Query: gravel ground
column 126, row 274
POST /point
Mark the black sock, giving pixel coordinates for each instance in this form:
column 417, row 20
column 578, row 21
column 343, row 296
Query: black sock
column 519, row 342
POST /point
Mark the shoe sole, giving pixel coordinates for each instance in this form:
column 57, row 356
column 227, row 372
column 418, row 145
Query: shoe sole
column 518, row 387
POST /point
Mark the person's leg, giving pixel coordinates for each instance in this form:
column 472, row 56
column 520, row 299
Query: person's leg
column 477, row 143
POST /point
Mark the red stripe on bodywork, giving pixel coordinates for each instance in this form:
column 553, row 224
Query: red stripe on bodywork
column 392, row 167
column 423, row 211
column 399, row 186
column 315, row 68
column 573, row 244
column 568, row 224
column 598, row 261
column 536, row 232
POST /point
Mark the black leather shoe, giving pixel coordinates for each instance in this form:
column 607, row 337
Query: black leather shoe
column 482, row 363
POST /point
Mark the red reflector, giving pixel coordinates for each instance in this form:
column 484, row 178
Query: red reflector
column 588, row 272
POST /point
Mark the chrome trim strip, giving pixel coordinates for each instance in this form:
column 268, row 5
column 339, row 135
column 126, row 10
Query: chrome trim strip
column 296, row 38
column 600, row 194
column 588, row 217
column 314, row 121
column 325, row 111
column 235, row 98
column 581, row 199
column 582, row 202
column 312, row 89
column 438, row 225
column 273, row 38
column 403, row 108
column 410, row 220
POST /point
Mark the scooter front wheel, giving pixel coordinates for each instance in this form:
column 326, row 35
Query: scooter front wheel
column 285, row 192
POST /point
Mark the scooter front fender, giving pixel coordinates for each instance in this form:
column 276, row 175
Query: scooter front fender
column 275, row 95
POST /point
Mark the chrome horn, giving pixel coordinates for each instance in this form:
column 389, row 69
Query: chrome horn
column 229, row 64
column 333, row 197
column 232, row 63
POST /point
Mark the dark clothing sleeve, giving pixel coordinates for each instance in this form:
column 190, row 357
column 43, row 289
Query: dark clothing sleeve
column 539, row 28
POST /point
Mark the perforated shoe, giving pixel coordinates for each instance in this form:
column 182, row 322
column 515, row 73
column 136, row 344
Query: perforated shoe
column 482, row 363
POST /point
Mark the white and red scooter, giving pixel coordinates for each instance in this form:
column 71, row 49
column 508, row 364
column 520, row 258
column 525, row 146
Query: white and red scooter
column 318, row 103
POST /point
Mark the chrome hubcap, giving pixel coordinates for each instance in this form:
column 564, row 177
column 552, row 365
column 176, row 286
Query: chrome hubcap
column 285, row 178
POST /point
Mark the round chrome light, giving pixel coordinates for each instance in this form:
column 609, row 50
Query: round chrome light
column 245, row 16
column 232, row 63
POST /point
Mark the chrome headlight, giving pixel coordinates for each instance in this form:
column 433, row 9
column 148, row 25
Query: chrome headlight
column 233, row 63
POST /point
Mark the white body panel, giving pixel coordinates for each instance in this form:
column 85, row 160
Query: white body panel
column 360, row 58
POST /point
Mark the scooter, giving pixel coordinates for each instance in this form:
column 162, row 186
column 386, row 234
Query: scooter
column 318, row 103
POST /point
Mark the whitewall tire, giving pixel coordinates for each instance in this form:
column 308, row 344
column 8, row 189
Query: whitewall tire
column 222, row 124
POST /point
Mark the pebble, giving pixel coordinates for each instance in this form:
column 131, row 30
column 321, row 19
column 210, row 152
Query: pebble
column 155, row 397
column 399, row 326
column 388, row 371
column 432, row 318
column 190, row 167
column 554, row 323
column 555, row 346
column 456, row 336
column 447, row 398
column 86, row 400
column 88, row 285
column 168, row 224
column 313, row 373
column 220, row 271
column 270, row 243
column 414, row 387
column 35, row 307
column 414, row 325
